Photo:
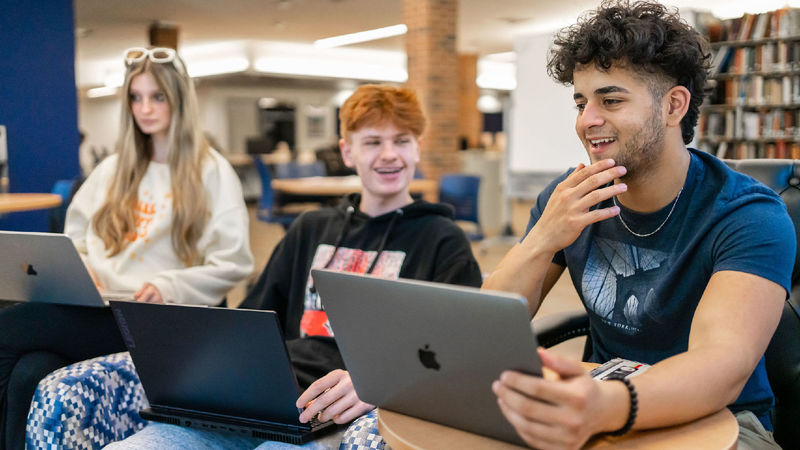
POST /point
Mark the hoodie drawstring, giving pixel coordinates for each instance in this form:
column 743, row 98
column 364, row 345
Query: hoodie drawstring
column 397, row 213
column 348, row 214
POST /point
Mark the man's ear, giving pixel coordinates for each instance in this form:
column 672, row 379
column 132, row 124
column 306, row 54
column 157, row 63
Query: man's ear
column 346, row 150
column 677, row 104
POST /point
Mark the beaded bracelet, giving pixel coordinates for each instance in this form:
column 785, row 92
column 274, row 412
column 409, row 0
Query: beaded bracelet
column 634, row 408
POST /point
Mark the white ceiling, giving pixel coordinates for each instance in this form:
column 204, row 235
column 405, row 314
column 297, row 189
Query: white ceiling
column 104, row 28
column 484, row 26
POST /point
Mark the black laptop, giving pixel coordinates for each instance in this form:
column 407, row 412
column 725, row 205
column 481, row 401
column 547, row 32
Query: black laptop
column 215, row 369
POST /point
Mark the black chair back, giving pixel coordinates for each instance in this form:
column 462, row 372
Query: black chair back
column 783, row 352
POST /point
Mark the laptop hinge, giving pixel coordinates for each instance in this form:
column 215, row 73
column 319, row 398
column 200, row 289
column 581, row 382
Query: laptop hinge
column 171, row 410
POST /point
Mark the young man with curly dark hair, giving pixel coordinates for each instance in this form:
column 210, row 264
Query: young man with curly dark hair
column 680, row 262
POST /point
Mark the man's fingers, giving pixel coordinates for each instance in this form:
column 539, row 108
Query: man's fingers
column 357, row 410
column 600, row 214
column 581, row 174
column 313, row 391
column 321, row 404
column 541, row 391
column 599, row 195
column 527, row 404
column 323, row 401
column 564, row 367
column 339, row 406
column 531, row 432
column 601, row 178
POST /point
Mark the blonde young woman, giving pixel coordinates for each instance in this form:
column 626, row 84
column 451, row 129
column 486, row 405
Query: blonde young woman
column 163, row 218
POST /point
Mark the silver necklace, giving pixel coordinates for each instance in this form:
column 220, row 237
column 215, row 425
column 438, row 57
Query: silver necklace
column 674, row 203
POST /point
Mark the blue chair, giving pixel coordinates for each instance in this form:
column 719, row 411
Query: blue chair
column 267, row 212
column 461, row 192
column 296, row 170
column 58, row 215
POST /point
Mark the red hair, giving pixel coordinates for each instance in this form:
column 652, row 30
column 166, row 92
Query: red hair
column 373, row 104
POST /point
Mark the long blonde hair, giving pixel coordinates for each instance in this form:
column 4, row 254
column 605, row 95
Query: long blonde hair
column 115, row 221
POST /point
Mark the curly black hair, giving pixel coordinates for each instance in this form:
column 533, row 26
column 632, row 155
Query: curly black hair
column 645, row 37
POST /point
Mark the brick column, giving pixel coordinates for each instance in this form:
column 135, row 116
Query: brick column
column 470, row 121
column 433, row 73
column 163, row 35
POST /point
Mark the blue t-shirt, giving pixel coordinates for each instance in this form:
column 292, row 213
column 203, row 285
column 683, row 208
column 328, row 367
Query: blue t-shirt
column 641, row 292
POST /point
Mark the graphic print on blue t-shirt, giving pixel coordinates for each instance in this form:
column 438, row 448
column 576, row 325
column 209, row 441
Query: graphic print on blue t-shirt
column 618, row 283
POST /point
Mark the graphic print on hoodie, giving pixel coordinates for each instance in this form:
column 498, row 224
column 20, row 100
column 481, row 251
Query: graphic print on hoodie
column 315, row 320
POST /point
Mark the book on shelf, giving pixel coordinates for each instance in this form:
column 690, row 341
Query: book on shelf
column 721, row 60
column 753, row 108
column 722, row 149
column 730, row 128
column 757, row 90
column 751, row 125
column 760, row 26
column 746, row 27
column 779, row 24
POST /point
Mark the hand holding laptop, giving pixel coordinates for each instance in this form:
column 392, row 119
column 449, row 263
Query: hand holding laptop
column 565, row 392
column 332, row 397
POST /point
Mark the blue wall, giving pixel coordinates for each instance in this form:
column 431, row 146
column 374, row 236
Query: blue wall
column 38, row 100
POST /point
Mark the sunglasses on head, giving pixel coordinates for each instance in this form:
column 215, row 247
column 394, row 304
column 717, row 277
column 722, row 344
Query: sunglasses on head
column 159, row 55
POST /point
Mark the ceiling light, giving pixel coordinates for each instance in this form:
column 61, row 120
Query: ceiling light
column 317, row 67
column 502, row 57
column 217, row 66
column 496, row 75
column 361, row 36
column 488, row 103
column 341, row 96
column 267, row 102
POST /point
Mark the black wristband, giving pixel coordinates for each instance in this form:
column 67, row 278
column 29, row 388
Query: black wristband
column 632, row 412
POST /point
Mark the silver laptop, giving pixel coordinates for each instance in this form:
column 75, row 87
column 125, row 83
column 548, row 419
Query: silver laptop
column 46, row 267
column 429, row 350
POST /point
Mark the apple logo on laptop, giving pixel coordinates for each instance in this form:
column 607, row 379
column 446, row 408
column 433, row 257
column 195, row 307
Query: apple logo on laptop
column 28, row 269
column 428, row 358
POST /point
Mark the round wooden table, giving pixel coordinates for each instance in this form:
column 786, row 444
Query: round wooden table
column 716, row 431
column 27, row 202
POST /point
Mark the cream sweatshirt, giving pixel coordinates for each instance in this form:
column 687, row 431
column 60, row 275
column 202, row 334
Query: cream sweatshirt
column 149, row 257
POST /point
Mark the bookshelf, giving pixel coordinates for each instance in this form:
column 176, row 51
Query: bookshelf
column 753, row 107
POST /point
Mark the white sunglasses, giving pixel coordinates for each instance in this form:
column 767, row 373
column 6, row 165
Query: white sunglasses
column 161, row 55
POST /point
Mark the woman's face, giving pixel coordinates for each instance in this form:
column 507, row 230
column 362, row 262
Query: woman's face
column 149, row 105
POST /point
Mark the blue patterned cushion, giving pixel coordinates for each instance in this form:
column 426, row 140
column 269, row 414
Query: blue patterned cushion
column 86, row 405
column 363, row 434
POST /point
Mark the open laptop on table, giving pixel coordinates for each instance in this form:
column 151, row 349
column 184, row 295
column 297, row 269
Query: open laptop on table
column 215, row 369
column 429, row 350
column 46, row 267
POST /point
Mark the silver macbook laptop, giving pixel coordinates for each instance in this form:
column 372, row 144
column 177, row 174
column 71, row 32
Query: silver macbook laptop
column 429, row 350
column 46, row 267
column 215, row 369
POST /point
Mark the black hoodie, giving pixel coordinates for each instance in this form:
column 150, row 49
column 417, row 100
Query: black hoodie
column 419, row 241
